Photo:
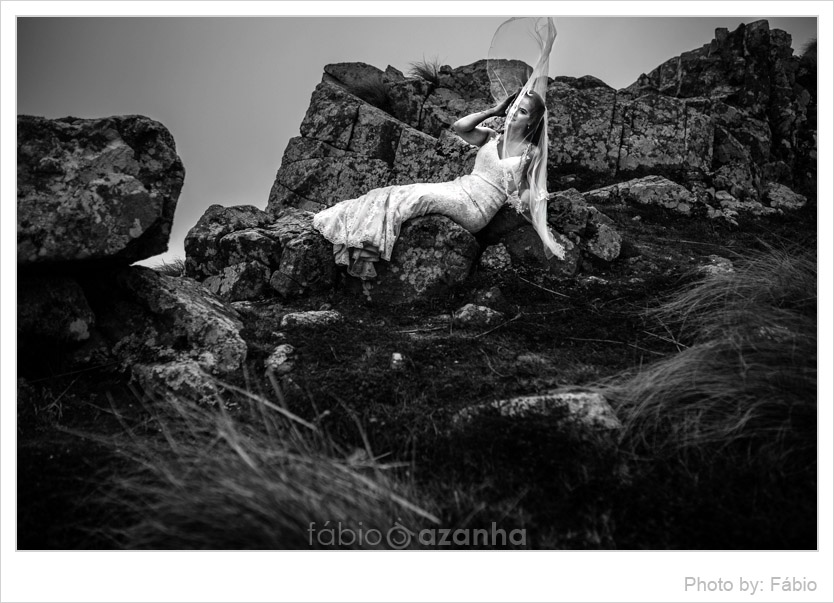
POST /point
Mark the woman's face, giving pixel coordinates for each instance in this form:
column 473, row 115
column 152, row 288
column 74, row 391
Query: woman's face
column 521, row 118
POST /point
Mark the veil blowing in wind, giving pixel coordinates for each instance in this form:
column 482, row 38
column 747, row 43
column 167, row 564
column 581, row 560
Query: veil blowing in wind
column 519, row 56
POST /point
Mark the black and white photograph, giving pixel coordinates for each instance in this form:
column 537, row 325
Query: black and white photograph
column 438, row 284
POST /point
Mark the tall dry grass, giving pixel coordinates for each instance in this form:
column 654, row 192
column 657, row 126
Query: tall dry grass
column 721, row 437
column 203, row 477
column 746, row 375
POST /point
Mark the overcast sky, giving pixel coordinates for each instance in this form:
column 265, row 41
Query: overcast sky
column 233, row 90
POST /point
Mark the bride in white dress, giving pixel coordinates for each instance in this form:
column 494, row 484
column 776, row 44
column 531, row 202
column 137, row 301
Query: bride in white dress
column 509, row 167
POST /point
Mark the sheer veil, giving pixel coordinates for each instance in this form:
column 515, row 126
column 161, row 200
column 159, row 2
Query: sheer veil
column 517, row 44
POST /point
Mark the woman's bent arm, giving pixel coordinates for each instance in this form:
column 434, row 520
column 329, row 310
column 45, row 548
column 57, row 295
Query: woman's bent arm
column 467, row 127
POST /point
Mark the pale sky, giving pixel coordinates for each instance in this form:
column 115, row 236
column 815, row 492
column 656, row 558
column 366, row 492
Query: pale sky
column 233, row 90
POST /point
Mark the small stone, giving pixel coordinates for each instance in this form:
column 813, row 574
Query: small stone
column 279, row 361
column 717, row 265
column 397, row 361
column 781, row 197
column 492, row 298
column 496, row 258
column 184, row 377
column 605, row 242
column 472, row 316
column 313, row 318
column 586, row 409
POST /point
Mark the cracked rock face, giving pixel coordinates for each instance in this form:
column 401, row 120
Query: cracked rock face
column 94, row 189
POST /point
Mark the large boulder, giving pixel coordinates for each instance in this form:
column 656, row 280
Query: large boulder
column 242, row 253
column 94, row 189
column 206, row 253
column 166, row 327
column 651, row 190
column 431, row 255
column 578, row 226
column 526, row 249
column 306, row 262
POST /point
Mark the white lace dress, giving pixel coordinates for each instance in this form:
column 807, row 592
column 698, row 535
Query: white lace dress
column 365, row 229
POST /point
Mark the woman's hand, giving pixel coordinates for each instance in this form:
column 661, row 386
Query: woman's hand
column 502, row 107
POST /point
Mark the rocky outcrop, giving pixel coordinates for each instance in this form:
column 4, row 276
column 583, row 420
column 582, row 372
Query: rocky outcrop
column 750, row 78
column 696, row 138
column 705, row 120
column 702, row 136
column 288, row 257
column 94, row 189
column 597, row 133
column 95, row 195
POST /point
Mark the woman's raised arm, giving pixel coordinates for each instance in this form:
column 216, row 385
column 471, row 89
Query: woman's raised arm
column 468, row 129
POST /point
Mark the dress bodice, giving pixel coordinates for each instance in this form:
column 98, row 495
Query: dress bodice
column 490, row 166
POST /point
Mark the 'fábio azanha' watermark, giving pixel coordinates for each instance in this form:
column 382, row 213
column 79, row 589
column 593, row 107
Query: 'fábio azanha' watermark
column 398, row 536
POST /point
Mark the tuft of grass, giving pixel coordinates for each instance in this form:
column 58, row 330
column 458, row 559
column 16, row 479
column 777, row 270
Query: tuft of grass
column 747, row 369
column 428, row 70
column 175, row 267
column 723, row 434
column 258, row 477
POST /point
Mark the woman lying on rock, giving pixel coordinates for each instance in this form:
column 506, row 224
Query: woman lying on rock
column 510, row 167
